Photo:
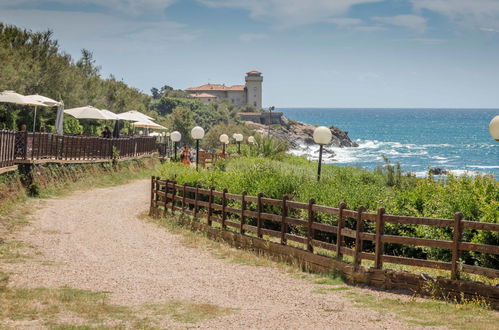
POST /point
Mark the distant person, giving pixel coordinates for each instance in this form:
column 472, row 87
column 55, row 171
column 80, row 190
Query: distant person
column 42, row 129
column 185, row 156
column 24, row 128
column 106, row 133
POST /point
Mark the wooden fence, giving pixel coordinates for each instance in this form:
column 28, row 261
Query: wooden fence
column 357, row 233
column 53, row 147
column 7, row 148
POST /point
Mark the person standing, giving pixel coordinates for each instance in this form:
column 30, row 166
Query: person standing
column 185, row 156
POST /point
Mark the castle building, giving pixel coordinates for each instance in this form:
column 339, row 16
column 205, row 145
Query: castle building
column 241, row 95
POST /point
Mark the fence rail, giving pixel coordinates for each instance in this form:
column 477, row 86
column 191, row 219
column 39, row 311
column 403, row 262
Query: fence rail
column 285, row 220
column 26, row 146
column 7, row 148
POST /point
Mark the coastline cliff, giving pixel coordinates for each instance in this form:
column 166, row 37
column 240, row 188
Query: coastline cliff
column 299, row 137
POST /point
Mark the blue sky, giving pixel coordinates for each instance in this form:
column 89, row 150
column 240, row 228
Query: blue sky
column 312, row 53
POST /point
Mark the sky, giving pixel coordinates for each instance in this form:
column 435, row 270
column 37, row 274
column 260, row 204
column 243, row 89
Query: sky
column 312, row 53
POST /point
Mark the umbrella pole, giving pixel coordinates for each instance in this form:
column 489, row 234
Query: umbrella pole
column 34, row 120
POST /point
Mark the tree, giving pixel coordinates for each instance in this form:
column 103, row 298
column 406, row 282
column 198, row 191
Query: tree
column 181, row 119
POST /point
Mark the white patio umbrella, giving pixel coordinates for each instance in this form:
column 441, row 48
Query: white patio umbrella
column 43, row 99
column 148, row 124
column 110, row 115
column 86, row 112
column 16, row 98
column 134, row 115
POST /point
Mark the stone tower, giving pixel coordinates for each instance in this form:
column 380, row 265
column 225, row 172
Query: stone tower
column 254, row 89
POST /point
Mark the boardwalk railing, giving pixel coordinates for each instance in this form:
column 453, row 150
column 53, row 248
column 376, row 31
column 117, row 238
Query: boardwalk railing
column 357, row 233
column 7, row 148
column 22, row 147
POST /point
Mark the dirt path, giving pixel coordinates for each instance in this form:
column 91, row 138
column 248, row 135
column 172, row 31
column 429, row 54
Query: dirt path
column 95, row 240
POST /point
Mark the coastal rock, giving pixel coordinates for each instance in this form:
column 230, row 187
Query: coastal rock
column 299, row 136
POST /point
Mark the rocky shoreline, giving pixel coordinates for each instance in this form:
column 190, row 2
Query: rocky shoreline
column 299, row 136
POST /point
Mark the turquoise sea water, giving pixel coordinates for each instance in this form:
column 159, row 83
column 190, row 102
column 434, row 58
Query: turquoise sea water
column 452, row 139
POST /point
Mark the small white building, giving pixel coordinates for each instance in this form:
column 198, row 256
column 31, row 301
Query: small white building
column 250, row 93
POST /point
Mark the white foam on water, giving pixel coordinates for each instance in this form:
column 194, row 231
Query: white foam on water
column 484, row 167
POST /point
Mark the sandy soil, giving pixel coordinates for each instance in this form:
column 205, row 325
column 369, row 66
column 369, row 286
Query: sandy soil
column 96, row 240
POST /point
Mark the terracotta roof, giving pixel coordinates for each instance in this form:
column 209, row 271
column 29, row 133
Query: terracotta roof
column 254, row 72
column 216, row 87
column 203, row 95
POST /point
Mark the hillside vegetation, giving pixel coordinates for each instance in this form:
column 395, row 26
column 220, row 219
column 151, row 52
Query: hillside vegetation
column 33, row 63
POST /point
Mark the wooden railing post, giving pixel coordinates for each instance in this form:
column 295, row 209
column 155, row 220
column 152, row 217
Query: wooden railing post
column 224, row 205
column 458, row 230
column 339, row 236
column 210, row 207
column 174, row 193
column 184, row 188
column 284, row 215
column 153, row 185
column 380, row 230
column 165, row 204
column 259, row 216
column 243, row 208
column 358, row 241
column 196, row 199
column 310, row 231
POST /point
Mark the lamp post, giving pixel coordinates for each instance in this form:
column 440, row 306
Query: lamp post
column 251, row 142
column 224, row 139
column 322, row 136
column 197, row 134
column 494, row 128
column 175, row 136
column 239, row 138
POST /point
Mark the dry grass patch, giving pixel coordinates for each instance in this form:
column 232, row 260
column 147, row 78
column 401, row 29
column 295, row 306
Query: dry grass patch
column 188, row 312
column 89, row 310
column 470, row 315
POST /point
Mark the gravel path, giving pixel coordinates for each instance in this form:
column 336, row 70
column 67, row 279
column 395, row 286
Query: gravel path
column 96, row 240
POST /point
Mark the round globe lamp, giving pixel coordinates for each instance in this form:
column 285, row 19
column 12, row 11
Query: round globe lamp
column 494, row 128
column 175, row 136
column 322, row 136
column 239, row 138
column 197, row 134
column 222, row 139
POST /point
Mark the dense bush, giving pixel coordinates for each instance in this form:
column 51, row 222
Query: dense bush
column 477, row 198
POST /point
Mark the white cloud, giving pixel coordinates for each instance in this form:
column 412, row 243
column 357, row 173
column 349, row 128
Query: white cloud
column 474, row 14
column 345, row 21
column 291, row 13
column 96, row 30
column 250, row 37
column 413, row 22
column 127, row 7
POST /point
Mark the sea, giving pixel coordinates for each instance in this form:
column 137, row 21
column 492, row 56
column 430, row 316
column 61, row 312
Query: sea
column 455, row 140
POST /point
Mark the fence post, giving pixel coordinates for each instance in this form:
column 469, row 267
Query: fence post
column 196, row 198
column 284, row 226
column 358, row 241
column 166, row 198
column 259, row 216
column 243, row 208
column 339, row 236
column 174, row 194
column 458, row 229
column 380, row 230
column 224, row 204
column 310, row 231
column 210, row 202
column 183, row 197
column 153, row 179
